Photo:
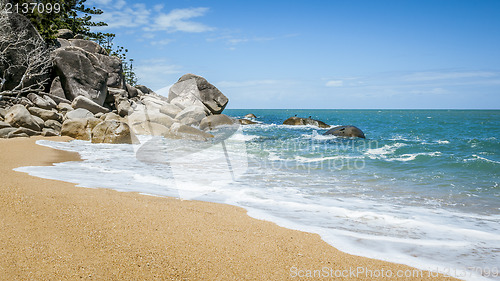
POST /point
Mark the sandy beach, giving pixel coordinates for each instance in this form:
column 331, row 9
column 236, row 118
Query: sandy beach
column 52, row 230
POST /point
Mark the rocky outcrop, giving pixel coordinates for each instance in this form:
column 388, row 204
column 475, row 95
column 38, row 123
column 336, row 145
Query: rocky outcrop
column 193, row 89
column 305, row 121
column 346, row 131
column 112, row 132
column 81, row 74
column 89, row 46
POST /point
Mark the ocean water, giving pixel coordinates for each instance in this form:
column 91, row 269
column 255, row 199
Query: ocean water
column 422, row 189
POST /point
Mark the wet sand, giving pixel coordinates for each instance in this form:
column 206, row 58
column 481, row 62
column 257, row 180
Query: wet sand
column 54, row 230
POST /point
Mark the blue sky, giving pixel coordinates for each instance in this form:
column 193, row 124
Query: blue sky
column 318, row 54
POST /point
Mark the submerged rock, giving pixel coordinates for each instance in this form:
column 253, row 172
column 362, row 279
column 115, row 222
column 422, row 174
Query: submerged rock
column 346, row 131
column 250, row 115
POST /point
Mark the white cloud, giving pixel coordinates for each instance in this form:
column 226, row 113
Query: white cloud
column 248, row 83
column 162, row 42
column 157, row 73
column 178, row 20
column 432, row 76
column 334, row 83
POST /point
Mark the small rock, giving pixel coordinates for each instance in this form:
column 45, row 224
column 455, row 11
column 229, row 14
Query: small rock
column 39, row 121
column 4, row 132
column 64, row 107
column 4, row 125
column 41, row 102
column 246, row 122
column 76, row 128
column 56, row 88
column 250, row 115
column 26, row 131
column 189, row 133
column 53, row 124
column 305, row 121
column 47, row 132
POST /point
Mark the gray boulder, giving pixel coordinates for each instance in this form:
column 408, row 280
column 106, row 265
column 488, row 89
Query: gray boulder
column 41, row 102
column 89, row 46
column 81, row 74
column 26, row 131
column 113, row 66
column 65, row 34
column 150, row 129
column 5, row 132
column 3, row 112
column 184, row 94
column 4, row 125
column 305, row 121
column 213, row 121
column 145, row 90
column 189, row 133
column 53, row 124
column 47, row 132
column 45, row 114
column 61, row 43
column 346, row 131
column 112, row 132
column 19, row 116
column 132, row 91
column 170, row 110
column 209, row 95
column 56, row 88
column 39, row 121
column 79, row 113
column 86, row 103
column 80, row 129
column 190, row 114
column 64, row 107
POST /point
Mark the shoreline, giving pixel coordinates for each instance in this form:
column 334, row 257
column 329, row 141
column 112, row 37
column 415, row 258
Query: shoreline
column 59, row 231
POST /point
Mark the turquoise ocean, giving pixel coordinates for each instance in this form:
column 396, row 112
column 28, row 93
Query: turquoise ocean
column 422, row 189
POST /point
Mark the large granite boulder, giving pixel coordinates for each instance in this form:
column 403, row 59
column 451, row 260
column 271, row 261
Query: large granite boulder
column 65, row 34
column 81, row 74
column 346, row 131
column 86, row 103
column 112, row 132
column 19, row 116
column 89, row 46
column 305, row 121
column 149, row 128
column 80, row 129
column 211, row 97
column 213, row 121
column 113, row 66
column 193, row 90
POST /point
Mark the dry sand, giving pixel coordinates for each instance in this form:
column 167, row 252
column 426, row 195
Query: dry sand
column 52, row 230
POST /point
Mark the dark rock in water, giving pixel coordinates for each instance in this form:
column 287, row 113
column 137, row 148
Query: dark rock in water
column 209, row 95
column 250, row 115
column 81, row 74
column 305, row 121
column 246, row 122
column 345, row 131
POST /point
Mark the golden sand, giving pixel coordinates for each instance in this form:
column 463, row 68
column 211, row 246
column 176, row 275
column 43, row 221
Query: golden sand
column 52, row 230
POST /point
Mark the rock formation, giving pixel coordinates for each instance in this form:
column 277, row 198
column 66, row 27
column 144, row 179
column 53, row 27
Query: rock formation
column 305, row 121
column 346, row 131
